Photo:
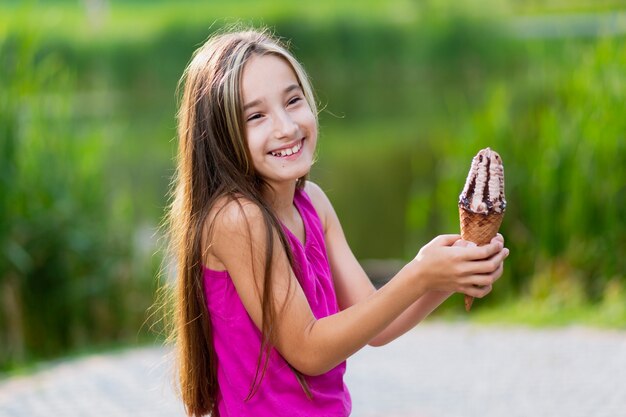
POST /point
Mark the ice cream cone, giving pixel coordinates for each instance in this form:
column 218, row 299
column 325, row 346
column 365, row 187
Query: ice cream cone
column 480, row 229
column 482, row 203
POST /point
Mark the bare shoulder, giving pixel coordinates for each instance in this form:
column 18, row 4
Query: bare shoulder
column 230, row 214
column 320, row 201
column 231, row 222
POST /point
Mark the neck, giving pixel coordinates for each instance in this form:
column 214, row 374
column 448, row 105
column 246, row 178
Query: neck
column 280, row 197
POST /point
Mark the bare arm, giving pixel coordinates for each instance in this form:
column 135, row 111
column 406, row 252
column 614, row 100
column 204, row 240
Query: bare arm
column 314, row 346
column 352, row 284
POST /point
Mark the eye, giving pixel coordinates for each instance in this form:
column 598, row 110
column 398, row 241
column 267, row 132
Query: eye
column 254, row 116
column 294, row 100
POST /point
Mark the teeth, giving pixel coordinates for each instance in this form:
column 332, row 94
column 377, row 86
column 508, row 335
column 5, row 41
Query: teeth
column 288, row 151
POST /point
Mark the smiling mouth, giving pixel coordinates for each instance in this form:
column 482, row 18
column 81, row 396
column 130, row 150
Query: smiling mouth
column 281, row 153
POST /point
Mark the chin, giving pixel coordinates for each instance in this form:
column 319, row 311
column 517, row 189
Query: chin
column 289, row 178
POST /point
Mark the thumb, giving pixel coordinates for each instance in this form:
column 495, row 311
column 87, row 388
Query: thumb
column 445, row 240
column 464, row 243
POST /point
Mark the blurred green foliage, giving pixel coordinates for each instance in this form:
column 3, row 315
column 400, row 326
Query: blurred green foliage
column 410, row 91
column 559, row 125
column 71, row 276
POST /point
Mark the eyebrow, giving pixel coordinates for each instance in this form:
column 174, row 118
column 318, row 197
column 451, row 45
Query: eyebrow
column 257, row 102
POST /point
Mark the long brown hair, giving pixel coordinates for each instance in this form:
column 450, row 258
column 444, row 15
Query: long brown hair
column 214, row 162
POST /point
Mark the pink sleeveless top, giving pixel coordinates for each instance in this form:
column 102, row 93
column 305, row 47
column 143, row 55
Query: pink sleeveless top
column 237, row 340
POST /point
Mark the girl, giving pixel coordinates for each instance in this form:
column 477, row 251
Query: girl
column 270, row 299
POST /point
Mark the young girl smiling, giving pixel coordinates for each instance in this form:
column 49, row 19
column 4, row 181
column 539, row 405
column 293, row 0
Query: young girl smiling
column 270, row 299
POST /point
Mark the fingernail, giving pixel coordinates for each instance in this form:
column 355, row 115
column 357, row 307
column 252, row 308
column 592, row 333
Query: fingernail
column 471, row 244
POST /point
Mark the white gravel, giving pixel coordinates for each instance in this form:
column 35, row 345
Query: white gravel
column 436, row 370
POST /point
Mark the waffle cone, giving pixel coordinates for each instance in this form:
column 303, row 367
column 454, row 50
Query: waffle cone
column 480, row 229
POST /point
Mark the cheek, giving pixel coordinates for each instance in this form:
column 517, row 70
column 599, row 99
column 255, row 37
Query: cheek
column 311, row 123
column 314, row 133
column 254, row 141
column 313, row 136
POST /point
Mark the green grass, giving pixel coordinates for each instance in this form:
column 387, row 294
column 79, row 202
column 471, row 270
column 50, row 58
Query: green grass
column 544, row 314
column 543, row 7
column 564, row 306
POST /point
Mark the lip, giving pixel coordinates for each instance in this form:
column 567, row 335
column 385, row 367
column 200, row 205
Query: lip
column 292, row 156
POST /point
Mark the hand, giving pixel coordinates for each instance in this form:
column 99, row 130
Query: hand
column 448, row 263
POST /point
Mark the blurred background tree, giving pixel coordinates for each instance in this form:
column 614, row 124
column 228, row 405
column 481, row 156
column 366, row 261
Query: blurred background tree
column 410, row 91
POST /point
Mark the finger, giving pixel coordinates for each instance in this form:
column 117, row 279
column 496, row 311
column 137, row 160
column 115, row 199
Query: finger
column 490, row 265
column 499, row 238
column 487, row 280
column 479, row 280
column 482, row 292
column 502, row 255
column 445, row 240
column 498, row 273
column 463, row 243
column 477, row 292
column 482, row 252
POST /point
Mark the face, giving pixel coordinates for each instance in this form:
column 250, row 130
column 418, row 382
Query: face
column 280, row 127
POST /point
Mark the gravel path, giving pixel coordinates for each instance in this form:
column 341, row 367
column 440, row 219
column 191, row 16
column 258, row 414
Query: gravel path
column 436, row 370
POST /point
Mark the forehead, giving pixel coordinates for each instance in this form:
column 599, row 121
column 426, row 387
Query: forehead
column 266, row 74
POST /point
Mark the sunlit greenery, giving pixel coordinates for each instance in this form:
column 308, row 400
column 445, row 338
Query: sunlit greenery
column 410, row 91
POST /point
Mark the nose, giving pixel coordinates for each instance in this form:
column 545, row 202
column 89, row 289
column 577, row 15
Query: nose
column 284, row 125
